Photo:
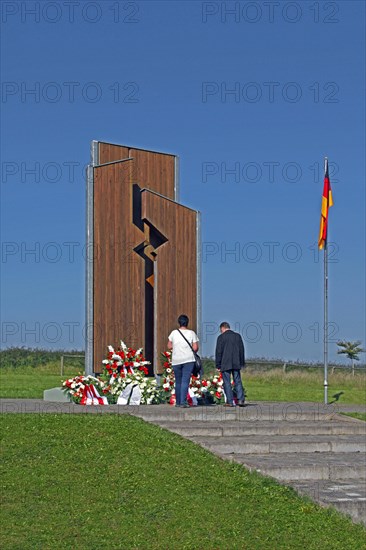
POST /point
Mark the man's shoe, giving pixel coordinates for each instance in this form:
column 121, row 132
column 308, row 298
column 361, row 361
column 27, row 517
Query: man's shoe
column 184, row 406
column 241, row 403
column 229, row 405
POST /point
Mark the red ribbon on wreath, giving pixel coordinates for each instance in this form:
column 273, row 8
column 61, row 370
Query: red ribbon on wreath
column 92, row 397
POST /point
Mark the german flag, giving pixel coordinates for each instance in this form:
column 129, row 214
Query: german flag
column 327, row 202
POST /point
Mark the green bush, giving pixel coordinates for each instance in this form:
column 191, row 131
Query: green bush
column 16, row 357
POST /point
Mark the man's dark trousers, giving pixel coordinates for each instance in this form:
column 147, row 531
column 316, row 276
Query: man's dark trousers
column 226, row 378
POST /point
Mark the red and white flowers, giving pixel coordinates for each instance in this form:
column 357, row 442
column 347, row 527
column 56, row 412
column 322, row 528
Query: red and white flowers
column 168, row 377
column 125, row 359
column 208, row 389
column 215, row 387
column 75, row 387
column 124, row 367
column 150, row 392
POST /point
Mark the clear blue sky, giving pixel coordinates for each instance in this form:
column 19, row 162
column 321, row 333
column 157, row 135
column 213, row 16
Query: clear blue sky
column 158, row 75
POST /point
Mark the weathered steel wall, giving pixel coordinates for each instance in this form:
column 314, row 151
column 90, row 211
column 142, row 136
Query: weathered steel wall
column 145, row 251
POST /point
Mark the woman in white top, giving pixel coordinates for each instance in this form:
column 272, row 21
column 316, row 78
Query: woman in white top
column 182, row 358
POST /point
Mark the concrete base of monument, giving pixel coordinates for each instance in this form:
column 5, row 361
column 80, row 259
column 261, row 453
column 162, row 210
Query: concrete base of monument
column 56, row 395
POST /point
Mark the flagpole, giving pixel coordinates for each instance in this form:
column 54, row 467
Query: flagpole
column 325, row 313
column 325, row 324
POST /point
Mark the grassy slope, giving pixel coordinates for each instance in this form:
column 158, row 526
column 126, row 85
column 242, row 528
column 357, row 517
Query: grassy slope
column 116, row 482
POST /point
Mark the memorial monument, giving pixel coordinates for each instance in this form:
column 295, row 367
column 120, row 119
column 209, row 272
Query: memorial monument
column 143, row 253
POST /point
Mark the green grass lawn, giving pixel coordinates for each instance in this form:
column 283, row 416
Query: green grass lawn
column 273, row 385
column 359, row 416
column 106, row 481
column 30, row 382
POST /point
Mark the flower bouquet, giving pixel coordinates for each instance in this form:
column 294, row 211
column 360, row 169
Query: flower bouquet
column 78, row 388
column 168, row 378
column 215, row 388
column 128, row 381
column 125, row 372
column 197, row 391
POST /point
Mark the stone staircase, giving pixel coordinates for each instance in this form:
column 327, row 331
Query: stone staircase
column 308, row 446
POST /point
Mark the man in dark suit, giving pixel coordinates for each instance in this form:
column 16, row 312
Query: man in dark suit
column 230, row 359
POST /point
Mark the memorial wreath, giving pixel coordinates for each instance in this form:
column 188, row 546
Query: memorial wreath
column 124, row 381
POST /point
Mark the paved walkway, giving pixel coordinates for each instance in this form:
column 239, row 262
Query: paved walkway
column 252, row 411
column 309, row 446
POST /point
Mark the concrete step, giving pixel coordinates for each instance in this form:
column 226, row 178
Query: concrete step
column 234, row 428
column 283, row 444
column 292, row 467
column 259, row 412
column 347, row 497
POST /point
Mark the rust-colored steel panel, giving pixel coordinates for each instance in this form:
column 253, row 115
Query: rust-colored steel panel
column 145, row 262
column 118, row 271
column 155, row 171
column 108, row 152
column 175, row 265
column 151, row 170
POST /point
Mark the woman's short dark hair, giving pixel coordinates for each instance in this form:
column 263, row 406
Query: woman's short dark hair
column 183, row 321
